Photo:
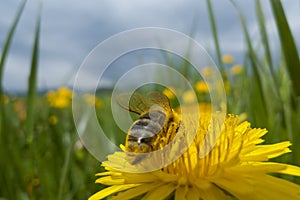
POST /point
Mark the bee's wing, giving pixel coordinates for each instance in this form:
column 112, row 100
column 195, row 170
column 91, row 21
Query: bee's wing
column 160, row 99
column 134, row 103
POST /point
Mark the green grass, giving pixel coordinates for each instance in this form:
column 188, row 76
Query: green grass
column 40, row 159
column 53, row 165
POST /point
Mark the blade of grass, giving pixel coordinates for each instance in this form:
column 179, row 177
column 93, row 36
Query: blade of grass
column 264, row 35
column 253, row 58
column 186, row 65
column 66, row 167
column 288, row 45
column 291, row 57
column 215, row 34
column 8, row 42
column 32, row 82
column 32, row 95
column 7, row 156
column 270, row 66
column 6, row 48
column 290, row 116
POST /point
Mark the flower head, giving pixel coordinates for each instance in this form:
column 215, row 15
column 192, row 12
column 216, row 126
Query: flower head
column 207, row 72
column 238, row 165
column 53, row 120
column 227, row 59
column 60, row 98
column 169, row 92
column 189, row 96
column 236, row 69
column 5, row 99
column 20, row 108
column 201, row 86
column 93, row 100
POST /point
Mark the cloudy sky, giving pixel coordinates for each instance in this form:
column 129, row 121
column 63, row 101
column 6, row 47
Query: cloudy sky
column 71, row 29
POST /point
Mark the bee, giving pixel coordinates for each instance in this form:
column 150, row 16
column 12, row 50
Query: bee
column 156, row 126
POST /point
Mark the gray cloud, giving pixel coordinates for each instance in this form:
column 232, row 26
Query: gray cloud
column 71, row 29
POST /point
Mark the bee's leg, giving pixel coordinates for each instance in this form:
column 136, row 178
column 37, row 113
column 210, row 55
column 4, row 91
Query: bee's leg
column 138, row 159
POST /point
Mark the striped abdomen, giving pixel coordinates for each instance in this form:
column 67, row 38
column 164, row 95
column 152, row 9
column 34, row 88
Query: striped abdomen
column 144, row 131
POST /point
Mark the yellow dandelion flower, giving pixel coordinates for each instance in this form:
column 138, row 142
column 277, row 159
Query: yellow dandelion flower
column 207, row 72
column 65, row 92
column 203, row 108
column 201, row 87
column 189, row 96
column 237, row 166
column 169, row 92
column 53, row 120
column 90, row 99
column 61, row 102
column 20, row 108
column 36, row 181
column 5, row 99
column 59, row 99
column 227, row 59
column 50, row 95
column 236, row 69
column 99, row 103
column 93, row 101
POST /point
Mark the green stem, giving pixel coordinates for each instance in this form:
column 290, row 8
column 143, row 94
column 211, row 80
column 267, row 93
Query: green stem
column 215, row 34
column 288, row 45
column 263, row 32
column 32, row 83
column 66, row 168
column 32, row 96
column 8, row 42
column 253, row 58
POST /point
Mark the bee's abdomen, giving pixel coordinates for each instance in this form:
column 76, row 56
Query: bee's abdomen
column 146, row 127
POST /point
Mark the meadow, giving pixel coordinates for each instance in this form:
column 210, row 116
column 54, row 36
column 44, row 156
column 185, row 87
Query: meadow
column 41, row 156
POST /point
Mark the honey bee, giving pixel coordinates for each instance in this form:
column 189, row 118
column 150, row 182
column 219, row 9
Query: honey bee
column 156, row 126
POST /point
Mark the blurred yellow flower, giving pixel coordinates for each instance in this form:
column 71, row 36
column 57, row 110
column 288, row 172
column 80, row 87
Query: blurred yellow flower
column 189, row 96
column 36, row 181
column 20, row 108
column 201, row 86
column 53, row 120
column 237, row 167
column 31, row 181
column 98, row 103
column 236, row 69
column 5, row 99
column 60, row 98
column 169, row 92
column 203, row 108
column 93, row 101
column 90, row 99
column 207, row 71
column 227, row 59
